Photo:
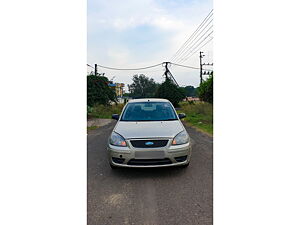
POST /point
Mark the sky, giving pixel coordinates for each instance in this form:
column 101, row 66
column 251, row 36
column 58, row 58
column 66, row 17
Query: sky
column 140, row 33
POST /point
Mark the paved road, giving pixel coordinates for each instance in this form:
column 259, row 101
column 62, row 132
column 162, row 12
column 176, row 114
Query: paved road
column 164, row 196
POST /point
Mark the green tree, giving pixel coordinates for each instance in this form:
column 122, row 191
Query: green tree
column 142, row 87
column 190, row 91
column 205, row 91
column 98, row 91
column 170, row 91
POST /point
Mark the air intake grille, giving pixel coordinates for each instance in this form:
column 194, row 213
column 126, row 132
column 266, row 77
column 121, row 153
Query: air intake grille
column 149, row 162
column 149, row 143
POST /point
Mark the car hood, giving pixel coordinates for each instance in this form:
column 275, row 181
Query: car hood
column 149, row 129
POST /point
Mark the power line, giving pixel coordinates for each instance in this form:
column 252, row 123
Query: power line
column 193, row 43
column 142, row 68
column 90, row 66
column 201, row 46
column 191, row 67
column 187, row 54
column 186, row 42
column 194, row 36
column 206, row 42
column 191, row 52
column 198, row 28
column 152, row 71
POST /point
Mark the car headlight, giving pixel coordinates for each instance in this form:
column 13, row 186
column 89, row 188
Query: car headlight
column 117, row 140
column 181, row 138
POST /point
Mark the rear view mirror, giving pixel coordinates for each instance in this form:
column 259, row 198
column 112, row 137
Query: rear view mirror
column 181, row 115
column 115, row 116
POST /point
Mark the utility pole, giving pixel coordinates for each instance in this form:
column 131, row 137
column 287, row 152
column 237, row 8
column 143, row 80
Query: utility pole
column 96, row 72
column 167, row 72
column 201, row 79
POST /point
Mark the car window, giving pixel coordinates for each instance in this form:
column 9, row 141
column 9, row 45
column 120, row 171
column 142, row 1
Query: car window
column 148, row 111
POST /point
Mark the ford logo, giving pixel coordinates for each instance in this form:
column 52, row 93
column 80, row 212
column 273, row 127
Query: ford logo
column 149, row 143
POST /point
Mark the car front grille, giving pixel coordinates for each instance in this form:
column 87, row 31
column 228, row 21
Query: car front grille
column 149, row 162
column 149, row 143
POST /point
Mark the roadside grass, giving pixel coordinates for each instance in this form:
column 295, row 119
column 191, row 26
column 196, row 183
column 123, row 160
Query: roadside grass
column 198, row 115
column 104, row 112
column 92, row 128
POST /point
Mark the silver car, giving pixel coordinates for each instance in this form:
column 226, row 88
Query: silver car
column 149, row 133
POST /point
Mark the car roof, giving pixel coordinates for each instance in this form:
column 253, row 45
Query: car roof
column 148, row 100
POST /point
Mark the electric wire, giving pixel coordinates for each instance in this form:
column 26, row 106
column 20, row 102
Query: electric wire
column 195, row 41
column 190, row 50
column 141, row 68
column 187, row 56
column 193, row 37
column 90, row 66
column 197, row 50
column 206, row 43
column 192, row 53
column 186, row 42
column 191, row 67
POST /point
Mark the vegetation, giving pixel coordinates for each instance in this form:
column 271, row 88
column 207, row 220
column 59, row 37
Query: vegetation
column 190, row 91
column 92, row 128
column 205, row 91
column 142, row 87
column 170, row 91
column 199, row 115
column 98, row 91
column 104, row 111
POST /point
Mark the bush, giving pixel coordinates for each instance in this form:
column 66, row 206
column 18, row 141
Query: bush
column 98, row 91
column 170, row 91
column 205, row 90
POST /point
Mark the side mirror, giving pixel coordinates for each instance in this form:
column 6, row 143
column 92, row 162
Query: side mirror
column 115, row 116
column 181, row 115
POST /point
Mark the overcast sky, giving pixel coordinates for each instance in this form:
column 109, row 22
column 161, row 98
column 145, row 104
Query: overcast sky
column 137, row 33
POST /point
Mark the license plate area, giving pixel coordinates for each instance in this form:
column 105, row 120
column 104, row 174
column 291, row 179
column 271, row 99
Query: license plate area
column 149, row 154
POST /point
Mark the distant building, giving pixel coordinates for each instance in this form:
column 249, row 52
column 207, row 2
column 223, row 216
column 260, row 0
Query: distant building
column 118, row 87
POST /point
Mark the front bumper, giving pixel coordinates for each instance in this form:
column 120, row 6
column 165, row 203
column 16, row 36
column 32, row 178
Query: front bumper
column 171, row 155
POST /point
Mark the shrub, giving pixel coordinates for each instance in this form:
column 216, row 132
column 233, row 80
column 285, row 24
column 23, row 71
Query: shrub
column 205, row 90
column 98, row 91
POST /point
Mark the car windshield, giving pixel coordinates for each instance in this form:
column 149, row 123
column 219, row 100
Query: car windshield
column 148, row 111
